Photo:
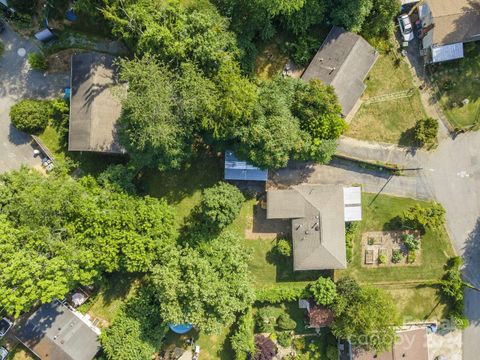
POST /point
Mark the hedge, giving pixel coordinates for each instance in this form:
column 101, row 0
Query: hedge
column 242, row 340
column 280, row 294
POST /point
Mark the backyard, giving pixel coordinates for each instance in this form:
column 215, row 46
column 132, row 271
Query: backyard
column 388, row 119
column 457, row 81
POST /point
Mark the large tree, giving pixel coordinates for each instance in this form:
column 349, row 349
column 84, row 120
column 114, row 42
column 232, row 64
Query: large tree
column 366, row 316
column 204, row 286
column 350, row 14
column 62, row 232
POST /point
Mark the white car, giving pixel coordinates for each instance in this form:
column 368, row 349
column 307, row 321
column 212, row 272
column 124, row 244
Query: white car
column 5, row 325
column 3, row 353
column 405, row 27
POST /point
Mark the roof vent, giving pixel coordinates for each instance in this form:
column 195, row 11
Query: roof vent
column 307, row 232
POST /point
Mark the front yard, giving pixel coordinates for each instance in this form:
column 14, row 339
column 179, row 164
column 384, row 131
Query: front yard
column 456, row 81
column 389, row 120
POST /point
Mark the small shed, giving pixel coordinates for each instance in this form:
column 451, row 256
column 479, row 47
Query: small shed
column 352, row 200
column 236, row 169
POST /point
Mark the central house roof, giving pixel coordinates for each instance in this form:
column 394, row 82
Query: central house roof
column 318, row 224
column 343, row 61
column 94, row 108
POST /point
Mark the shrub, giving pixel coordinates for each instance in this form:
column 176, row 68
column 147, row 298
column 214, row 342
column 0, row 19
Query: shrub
column 397, row 256
column 411, row 242
column 284, row 338
column 284, row 248
column 299, row 344
column 382, row 259
column 324, row 291
column 350, row 232
column 120, row 177
column 303, row 49
column 30, row 116
column 420, row 218
column 285, row 322
column 265, row 348
column 220, row 205
column 2, row 48
column 242, row 339
column 266, row 319
column 332, row 352
column 38, row 61
column 426, row 131
column 279, row 294
column 412, row 256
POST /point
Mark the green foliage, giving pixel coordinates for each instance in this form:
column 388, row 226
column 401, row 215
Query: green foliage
column 364, row 315
column 220, row 205
column 397, row 256
column 452, row 286
column 332, row 352
column 284, row 338
column 411, row 242
column 266, row 319
column 350, row 233
column 119, row 177
column 426, row 132
column 420, row 218
column 324, row 291
column 300, row 21
column 242, row 340
column 283, row 247
column 285, row 322
column 351, row 14
column 382, row 259
column 412, row 256
column 204, row 286
column 279, row 294
column 136, row 332
column 30, row 116
column 24, row 6
column 2, row 48
column 38, row 61
column 380, row 22
column 302, row 50
column 64, row 232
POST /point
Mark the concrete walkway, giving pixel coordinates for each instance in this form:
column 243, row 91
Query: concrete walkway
column 18, row 81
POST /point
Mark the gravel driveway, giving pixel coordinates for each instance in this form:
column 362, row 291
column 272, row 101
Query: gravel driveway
column 18, row 81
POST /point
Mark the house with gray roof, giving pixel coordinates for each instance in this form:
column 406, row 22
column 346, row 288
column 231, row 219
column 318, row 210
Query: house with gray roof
column 318, row 214
column 94, row 104
column 343, row 61
column 54, row 332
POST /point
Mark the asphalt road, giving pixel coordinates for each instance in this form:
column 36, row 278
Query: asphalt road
column 18, row 81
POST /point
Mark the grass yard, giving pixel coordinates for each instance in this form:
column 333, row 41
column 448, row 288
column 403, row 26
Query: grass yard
column 418, row 302
column 458, row 80
column 89, row 163
column 20, row 353
column 381, row 213
column 388, row 121
column 271, row 58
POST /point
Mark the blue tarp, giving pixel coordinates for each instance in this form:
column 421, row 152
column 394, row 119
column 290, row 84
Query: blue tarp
column 181, row 328
column 45, row 35
column 241, row 170
column 70, row 15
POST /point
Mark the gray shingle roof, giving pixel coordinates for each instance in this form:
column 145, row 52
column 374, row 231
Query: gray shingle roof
column 343, row 61
column 94, row 109
column 318, row 225
column 53, row 332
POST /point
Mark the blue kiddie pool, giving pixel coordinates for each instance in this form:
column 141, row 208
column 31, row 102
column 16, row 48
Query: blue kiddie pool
column 181, row 328
column 70, row 15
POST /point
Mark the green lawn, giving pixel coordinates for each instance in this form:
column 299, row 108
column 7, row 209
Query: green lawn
column 458, row 80
column 380, row 213
column 388, row 121
column 89, row 163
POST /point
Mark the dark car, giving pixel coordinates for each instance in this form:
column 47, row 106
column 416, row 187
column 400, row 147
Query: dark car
column 5, row 325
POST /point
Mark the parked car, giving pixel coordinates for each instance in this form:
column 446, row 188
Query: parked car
column 5, row 325
column 3, row 353
column 405, row 27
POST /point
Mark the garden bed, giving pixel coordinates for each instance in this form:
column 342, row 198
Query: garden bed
column 382, row 245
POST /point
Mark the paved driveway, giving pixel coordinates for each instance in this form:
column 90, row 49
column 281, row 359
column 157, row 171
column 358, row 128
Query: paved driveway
column 18, row 81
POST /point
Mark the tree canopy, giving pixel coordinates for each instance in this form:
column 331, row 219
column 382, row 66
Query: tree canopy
column 204, row 286
column 324, row 291
column 63, row 232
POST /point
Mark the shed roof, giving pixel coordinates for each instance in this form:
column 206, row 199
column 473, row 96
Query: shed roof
column 343, row 61
column 455, row 20
column 54, row 332
column 318, row 226
column 236, row 169
column 410, row 345
column 94, row 109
